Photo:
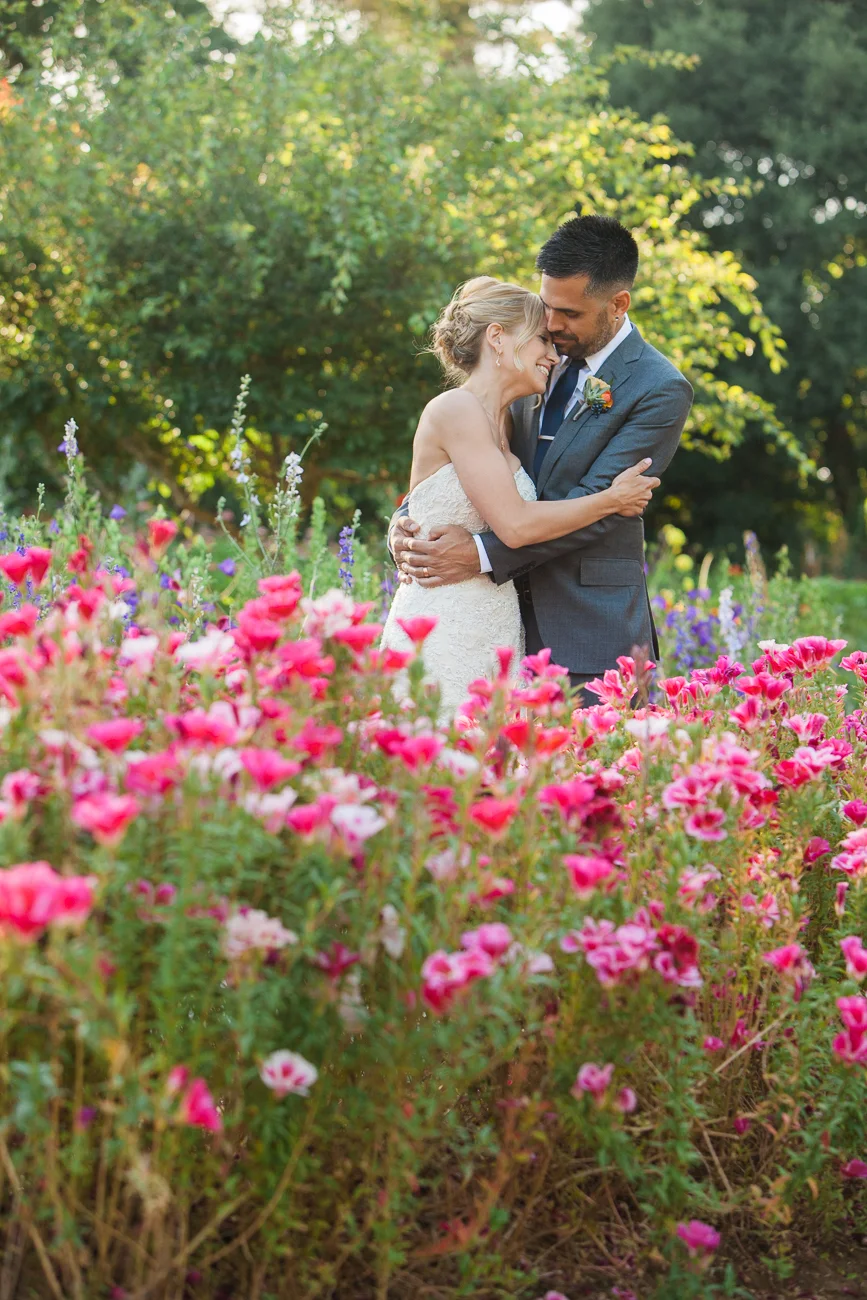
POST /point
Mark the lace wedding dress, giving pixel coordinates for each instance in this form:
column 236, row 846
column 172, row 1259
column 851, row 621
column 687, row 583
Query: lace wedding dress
column 474, row 617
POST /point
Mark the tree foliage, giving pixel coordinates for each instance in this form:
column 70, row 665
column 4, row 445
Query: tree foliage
column 176, row 212
column 777, row 99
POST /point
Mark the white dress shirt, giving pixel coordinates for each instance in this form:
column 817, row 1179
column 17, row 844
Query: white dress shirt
column 590, row 367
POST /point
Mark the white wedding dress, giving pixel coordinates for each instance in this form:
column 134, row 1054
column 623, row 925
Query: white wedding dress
column 475, row 617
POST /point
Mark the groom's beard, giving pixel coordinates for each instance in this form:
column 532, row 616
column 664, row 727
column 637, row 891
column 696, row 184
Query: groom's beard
column 569, row 346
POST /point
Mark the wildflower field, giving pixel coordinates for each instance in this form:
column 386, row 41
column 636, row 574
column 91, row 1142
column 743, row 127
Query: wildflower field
column 307, row 995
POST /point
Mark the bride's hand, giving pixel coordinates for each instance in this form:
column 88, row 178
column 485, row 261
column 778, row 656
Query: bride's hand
column 631, row 491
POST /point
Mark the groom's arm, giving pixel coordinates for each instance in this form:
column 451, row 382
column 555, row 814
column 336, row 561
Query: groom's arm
column 653, row 430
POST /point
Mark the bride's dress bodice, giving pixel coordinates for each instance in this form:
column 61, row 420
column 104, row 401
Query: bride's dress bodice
column 475, row 617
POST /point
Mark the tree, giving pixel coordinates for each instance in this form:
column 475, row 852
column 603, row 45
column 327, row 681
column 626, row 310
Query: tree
column 777, row 98
column 260, row 210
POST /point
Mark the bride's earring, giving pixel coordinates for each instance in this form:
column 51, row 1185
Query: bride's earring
column 499, row 357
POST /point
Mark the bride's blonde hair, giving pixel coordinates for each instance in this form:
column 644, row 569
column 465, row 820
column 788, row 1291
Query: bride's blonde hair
column 459, row 334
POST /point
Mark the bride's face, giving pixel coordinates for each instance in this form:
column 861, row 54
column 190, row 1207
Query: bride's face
column 538, row 356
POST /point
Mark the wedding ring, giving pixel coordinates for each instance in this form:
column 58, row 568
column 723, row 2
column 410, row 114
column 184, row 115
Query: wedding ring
column 426, row 572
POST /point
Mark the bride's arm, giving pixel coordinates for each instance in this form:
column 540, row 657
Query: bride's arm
column 485, row 476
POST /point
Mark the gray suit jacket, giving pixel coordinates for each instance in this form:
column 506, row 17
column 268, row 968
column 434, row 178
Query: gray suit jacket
column 588, row 588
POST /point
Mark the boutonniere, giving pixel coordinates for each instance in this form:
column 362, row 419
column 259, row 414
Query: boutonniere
column 597, row 394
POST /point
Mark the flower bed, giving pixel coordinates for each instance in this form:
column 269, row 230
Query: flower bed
column 306, row 995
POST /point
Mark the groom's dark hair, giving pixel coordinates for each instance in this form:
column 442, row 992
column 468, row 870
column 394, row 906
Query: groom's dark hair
column 598, row 247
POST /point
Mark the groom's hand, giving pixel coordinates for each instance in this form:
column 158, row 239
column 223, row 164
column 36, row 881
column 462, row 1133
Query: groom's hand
column 449, row 555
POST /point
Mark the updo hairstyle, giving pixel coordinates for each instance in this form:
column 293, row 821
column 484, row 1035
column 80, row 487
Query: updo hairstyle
column 459, row 335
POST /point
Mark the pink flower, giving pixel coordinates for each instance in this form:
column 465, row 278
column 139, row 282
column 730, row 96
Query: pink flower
column 18, row 789
column 856, row 957
column 33, row 896
column 816, row 849
column 807, row 726
column 594, row 1079
column 854, row 1169
column 493, row 815
column 445, row 975
column 493, row 937
column 18, row 622
column 198, row 1109
column 792, row 961
column 855, row 811
column 812, row 653
column 336, row 960
column 284, row 1072
column 713, row 1044
column 106, row 816
column 14, row 567
column 626, row 1101
column 418, row 629
column 699, row 1238
column 840, row 893
column 707, row 824
column 587, row 872
column 161, row 532
column 267, row 768
column 116, row 734
column 152, row 774
column 785, row 959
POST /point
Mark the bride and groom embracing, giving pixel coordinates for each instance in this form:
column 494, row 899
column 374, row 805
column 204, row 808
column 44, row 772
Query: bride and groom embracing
column 523, row 526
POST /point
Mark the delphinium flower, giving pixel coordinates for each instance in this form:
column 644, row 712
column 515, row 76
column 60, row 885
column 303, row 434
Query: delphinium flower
column 346, row 555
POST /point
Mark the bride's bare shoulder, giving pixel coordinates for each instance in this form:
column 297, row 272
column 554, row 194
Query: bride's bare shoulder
column 455, row 407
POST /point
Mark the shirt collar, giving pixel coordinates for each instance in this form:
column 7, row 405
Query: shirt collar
column 596, row 359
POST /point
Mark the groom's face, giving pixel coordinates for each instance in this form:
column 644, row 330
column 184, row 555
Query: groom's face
column 580, row 323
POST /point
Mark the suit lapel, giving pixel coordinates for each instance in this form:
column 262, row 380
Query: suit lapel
column 614, row 370
column 525, row 416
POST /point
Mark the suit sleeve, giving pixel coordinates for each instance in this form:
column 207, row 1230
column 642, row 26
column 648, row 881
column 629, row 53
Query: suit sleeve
column 653, row 429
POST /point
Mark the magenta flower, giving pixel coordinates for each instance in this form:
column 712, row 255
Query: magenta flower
column 594, row 1079
column 699, row 1238
column 854, row 1169
column 494, row 938
column 856, row 956
column 713, row 1044
column 198, row 1108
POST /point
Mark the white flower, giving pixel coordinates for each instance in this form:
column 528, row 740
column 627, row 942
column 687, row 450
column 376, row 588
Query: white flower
column 350, row 1004
column 445, row 865
column 245, row 521
column 533, row 963
column 391, row 934
column 460, row 765
column 252, row 929
column 210, row 651
column 286, row 1072
column 356, row 823
column 328, row 614
column 346, row 787
column 647, row 729
column 271, row 809
column 138, row 653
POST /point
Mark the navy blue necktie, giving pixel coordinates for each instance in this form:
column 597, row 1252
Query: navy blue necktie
column 555, row 411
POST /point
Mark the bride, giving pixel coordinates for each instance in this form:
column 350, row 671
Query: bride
column 492, row 337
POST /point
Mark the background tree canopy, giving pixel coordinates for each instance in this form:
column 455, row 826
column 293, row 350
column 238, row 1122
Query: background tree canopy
column 178, row 210
column 777, row 99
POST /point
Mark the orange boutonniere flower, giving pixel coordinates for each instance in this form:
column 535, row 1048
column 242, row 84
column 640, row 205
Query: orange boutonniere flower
column 597, row 395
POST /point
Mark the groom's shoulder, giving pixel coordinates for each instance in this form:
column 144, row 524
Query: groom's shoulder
column 656, row 368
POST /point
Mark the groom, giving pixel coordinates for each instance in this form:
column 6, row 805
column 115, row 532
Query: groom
column 584, row 595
